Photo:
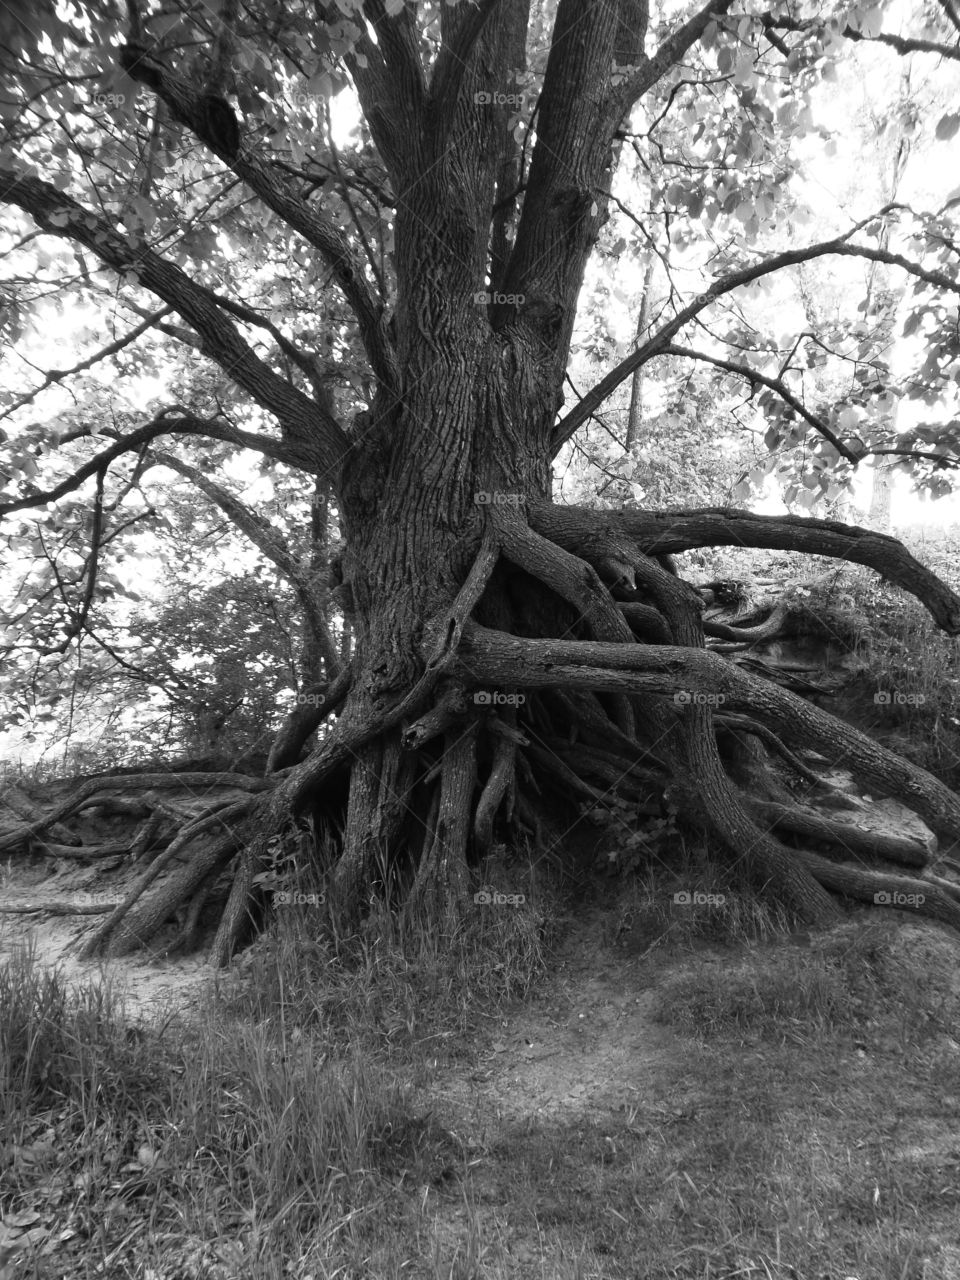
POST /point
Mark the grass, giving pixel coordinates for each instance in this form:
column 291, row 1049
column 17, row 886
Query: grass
column 852, row 981
column 803, row 1129
column 282, row 1116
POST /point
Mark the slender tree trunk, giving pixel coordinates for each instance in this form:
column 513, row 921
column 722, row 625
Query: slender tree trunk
column 635, row 418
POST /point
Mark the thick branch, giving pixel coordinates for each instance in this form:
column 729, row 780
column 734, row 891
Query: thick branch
column 668, row 55
column 162, row 424
column 663, row 532
column 569, row 172
column 452, row 60
column 312, row 429
column 279, row 194
column 952, row 12
column 390, row 89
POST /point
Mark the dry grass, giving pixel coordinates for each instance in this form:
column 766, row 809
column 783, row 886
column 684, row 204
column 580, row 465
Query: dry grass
column 809, row 1129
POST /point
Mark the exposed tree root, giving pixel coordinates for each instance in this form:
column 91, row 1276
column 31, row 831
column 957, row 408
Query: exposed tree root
column 500, row 781
column 904, row 893
column 55, row 907
column 17, row 801
column 83, row 852
column 235, row 913
column 658, row 532
column 748, row 725
column 110, row 940
column 433, row 769
column 136, row 921
column 647, row 623
column 440, row 891
column 92, row 787
column 845, row 835
column 741, row 636
column 666, row 670
column 646, row 669
column 574, row 580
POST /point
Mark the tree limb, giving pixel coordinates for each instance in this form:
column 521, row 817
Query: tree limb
column 902, row 45
column 162, row 424
column 775, row 384
column 277, row 192
column 663, row 532
column 452, row 60
column 57, row 375
column 952, row 12
column 839, row 246
column 305, row 424
column 399, row 40
column 668, row 55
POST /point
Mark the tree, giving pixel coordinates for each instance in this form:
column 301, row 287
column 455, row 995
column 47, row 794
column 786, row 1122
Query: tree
column 493, row 626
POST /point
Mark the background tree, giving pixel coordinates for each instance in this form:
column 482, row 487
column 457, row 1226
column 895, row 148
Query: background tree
column 494, row 627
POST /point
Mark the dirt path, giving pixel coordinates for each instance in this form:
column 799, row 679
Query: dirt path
column 589, row 1049
column 147, row 987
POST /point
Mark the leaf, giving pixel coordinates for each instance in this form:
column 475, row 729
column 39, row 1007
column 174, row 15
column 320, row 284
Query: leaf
column 21, row 1220
column 745, row 73
column 912, row 323
column 870, row 23
column 947, row 126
